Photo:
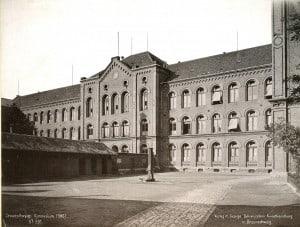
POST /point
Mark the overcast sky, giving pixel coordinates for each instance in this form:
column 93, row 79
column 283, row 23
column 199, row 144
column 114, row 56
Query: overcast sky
column 42, row 39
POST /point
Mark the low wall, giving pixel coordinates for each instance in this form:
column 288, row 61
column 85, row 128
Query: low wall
column 132, row 163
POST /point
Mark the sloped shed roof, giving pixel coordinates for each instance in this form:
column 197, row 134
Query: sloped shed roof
column 11, row 141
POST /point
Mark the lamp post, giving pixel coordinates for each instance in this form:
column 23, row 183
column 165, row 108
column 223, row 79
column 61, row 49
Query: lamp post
column 150, row 168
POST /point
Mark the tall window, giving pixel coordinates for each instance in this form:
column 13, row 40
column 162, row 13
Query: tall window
column 186, row 126
column 55, row 135
column 29, row 117
column 115, row 126
column 72, row 133
column 186, row 99
column 268, row 88
column 251, row 90
column 105, row 105
column 89, row 132
column 35, row 117
column 48, row 116
column 251, row 149
column 172, row 100
column 63, row 133
column 201, row 97
column 216, row 152
column 105, row 130
column 41, row 117
column 144, row 127
column 41, row 133
column 125, row 149
column 55, row 115
column 172, row 126
column 144, row 149
column 72, row 114
column 216, row 96
column 186, row 153
column 144, row 99
column 251, row 120
column 89, row 107
column 233, row 93
column 233, row 122
column 64, row 114
column 217, row 123
column 78, row 113
column 233, row 152
column 48, row 133
column 114, row 103
column 268, row 118
column 125, row 102
column 172, row 153
column 79, row 133
column 268, row 149
column 125, row 128
column 201, row 124
column 201, row 150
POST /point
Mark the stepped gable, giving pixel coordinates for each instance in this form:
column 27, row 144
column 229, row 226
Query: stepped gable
column 241, row 59
column 50, row 96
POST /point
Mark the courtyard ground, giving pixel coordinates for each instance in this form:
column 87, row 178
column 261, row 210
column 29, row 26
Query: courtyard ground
column 175, row 199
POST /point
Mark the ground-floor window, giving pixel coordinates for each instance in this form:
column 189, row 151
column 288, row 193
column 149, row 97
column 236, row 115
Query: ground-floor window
column 201, row 150
column 186, row 152
column 233, row 152
column 216, row 152
column 172, row 154
column 251, row 149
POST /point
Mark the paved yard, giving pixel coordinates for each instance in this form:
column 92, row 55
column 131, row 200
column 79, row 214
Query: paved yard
column 175, row 199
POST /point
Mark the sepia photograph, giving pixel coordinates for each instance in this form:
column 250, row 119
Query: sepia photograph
column 134, row 113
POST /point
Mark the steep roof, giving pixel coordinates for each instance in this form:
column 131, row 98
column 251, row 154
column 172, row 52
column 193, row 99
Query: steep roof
column 142, row 59
column 11, row 141
column 55, row 95
column 255, row 56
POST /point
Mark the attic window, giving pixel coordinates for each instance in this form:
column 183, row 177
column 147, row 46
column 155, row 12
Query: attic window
column 105, row 87
column 144, row 79
column 90, row 90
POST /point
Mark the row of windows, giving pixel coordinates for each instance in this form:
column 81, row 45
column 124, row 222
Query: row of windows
column 217, row 152
column 49, row 116
column 217, row 94
column 216, row 123
column 56, row 133
column 125, row 149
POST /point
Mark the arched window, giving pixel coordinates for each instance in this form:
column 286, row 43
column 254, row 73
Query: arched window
column 125, row 102
column 72, row 133
column 125, row 128
column 144, row 127
column 105, row 105
column 63, row 133
column 41, row 117
column 252, row 90
column 172, row 100
column 268, row 88
column 216, row 152
column 233, row 93
column 269, row 118
column 89, row 132
column 35, row 132
column 186, row 99
column 72, row 114
column 114, row 103
column 186, row 152
column 115, row 148
column 79, row 133
column 89, row 107
column 201, row 124
column 233, row 152
column 78, row 113
column 144, row 99
column 41, row 133
column 125, row 149
column 48, row 116
column 172, row 126
column 201, row 97
column 55, row 133
column 251, row 150
column 55, row 115
column 105, row 130
column 233, row 122
column 251, row 120
column 201, row 153
column 144, row 149
column 35, row 117
column 115, row 131
column 172, row 152
column 29, row 117
column 268, row 149
column 186, row 126
column 217, row 123
column 48, row 133
column 64, row 114
column 216, row 95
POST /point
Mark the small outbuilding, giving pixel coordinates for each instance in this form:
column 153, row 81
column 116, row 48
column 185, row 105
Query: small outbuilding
column 31, row 157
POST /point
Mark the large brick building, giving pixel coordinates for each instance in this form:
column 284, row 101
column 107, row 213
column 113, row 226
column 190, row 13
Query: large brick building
column 208, row 113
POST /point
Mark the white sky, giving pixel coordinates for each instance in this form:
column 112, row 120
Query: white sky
column 41, row 39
